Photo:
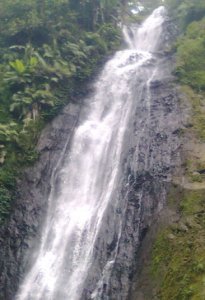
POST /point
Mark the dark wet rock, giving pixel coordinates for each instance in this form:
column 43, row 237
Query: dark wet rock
column 189, row 125
column 148, row 161
column 150, row 153
column 202, row 171
column 20, row 234
column 177, row 131
column 155, row 84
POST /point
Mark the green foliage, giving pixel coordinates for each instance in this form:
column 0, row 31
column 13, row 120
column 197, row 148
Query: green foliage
column 18, row 66
column 179, row 252
column 7, row 177
column 186, row 11
column 49, row 49
column 191, row 56
column 8, row 133
column 110, row 35
column 190, row 48
column 196, row 177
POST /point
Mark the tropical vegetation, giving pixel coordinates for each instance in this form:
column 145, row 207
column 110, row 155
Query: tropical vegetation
column 49, row 49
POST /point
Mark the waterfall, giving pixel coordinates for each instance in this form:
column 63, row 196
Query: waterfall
column 85, row 185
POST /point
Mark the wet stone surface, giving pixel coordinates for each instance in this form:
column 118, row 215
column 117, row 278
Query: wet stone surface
column 151, row 151
column 20, row 235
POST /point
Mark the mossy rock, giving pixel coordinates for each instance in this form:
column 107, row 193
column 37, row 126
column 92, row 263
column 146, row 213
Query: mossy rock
column 178, row 257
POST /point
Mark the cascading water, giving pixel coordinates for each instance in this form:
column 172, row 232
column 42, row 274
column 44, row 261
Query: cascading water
column 84, row 187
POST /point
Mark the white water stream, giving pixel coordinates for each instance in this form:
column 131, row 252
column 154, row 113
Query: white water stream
column 89, row 175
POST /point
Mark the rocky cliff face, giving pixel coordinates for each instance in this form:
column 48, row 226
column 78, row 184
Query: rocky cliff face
column 148, row 159
column 150, row 156
column 148, row 162
column 17, row 236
